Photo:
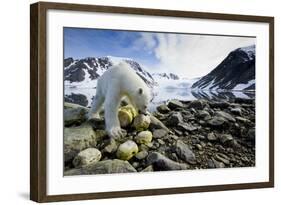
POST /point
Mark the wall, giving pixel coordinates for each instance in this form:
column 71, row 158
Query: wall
column 14, row 148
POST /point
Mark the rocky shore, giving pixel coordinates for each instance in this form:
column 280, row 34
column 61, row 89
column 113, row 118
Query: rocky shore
column 180, row 135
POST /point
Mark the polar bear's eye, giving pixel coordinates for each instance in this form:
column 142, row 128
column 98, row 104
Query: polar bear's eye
column 140, row 91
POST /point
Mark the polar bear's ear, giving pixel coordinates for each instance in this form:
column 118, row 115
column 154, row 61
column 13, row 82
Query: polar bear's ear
column 140, row 91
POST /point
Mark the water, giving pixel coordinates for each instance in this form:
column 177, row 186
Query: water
column 84, row 96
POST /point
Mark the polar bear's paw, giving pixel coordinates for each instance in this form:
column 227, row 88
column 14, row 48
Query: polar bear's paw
column 115, row 132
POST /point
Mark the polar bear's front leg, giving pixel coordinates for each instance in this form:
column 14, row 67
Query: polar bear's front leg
column 111, row 106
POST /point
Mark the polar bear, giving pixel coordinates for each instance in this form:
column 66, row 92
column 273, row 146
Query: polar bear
column 116, row 83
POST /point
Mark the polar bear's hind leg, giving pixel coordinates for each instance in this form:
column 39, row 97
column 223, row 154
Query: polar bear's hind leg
column 96, row 106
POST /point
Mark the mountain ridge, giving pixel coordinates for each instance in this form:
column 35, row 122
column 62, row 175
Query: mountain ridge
column 235, row 72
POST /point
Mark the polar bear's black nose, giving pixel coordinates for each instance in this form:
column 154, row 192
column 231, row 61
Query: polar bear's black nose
column 144, row 113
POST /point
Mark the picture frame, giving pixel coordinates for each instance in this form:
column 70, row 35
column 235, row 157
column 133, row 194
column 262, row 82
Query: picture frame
column 40, row 91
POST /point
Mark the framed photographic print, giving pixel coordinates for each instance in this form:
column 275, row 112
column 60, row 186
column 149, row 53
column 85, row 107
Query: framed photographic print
column 134, row 102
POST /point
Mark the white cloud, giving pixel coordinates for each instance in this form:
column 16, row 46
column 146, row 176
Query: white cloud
column 190, row 55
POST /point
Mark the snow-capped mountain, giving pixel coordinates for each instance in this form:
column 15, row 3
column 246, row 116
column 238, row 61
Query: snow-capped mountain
column 166, row 76
column 235, row 72
column 85, row 72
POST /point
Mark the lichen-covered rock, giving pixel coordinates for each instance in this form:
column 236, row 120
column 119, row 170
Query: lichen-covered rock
column 103, row 167
column 184, row 152
column 77, row 139
column 141, row 122
column 127, row 150
column 74, row 114
column 86, row 157
column 126, row 115
column 68, row 105
column 162, row 163
column 143, row 137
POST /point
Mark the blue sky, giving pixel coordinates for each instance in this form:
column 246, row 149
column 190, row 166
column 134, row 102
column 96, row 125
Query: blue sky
column 186, row 55
column 81, row 43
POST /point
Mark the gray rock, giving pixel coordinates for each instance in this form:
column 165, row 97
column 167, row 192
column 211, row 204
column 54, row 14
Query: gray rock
column 243, row 120
column 74, row 114
column 103, row 167
column 111, row 146
column 160, row 141
column 236, row 111
column 198, row 146
column 201, row 137
column 178, row 132
column 141, row 155
column 221, row 105
column 174, row 104
column 187, row 127
column 244, row 100
column 224, row 138
column 203, row 114
column 217, row 121
column 210, row 164
column 184, row 152
column 157, row 124
column 197, row 104
column 220, row 157
column 97, row 123
column 225, row 115
column 251, row 134
column 218, row 164
column 148, row 169
column 162, row 163
column 174, row 137
column 212, row 137
column 135, row 165
column 174, row 119
column 159, row 133
column 77, row 139
column 164, row 109
column 86, row 157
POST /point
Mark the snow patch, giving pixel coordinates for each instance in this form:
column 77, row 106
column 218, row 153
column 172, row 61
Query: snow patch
column 242, row 86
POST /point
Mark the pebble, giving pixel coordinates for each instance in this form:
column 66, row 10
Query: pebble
column 141, row 155
column 211, row 137
column 144, row 137
column 86, row 157
column 159, row 133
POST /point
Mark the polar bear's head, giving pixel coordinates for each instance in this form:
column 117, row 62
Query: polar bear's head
column 142, row 98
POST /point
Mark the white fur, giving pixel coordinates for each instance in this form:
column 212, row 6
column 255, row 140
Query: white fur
column 118, row 82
